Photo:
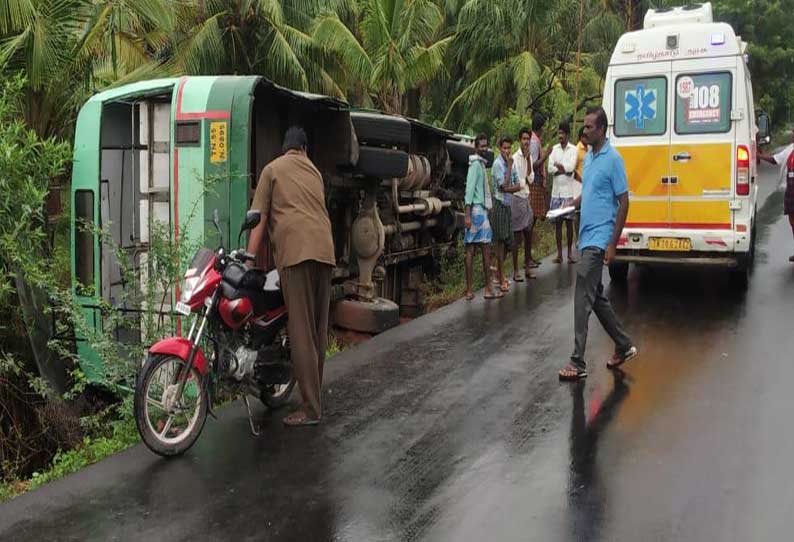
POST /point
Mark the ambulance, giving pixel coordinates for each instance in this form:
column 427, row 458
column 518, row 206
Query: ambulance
column 680, row 102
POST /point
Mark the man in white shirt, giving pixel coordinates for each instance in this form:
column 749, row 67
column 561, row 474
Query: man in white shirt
column 522, row 217
column 562, row 167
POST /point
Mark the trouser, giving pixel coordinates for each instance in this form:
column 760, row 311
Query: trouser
column 307, row 292
column 590, row 297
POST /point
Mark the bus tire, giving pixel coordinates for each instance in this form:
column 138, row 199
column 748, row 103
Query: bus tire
column 382, row 163
column 376, row 130
column 459, row 153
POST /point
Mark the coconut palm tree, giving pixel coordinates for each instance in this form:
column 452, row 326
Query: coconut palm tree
column 262, row 37
column 61, row 45
column 507, row 47
column 391, row 47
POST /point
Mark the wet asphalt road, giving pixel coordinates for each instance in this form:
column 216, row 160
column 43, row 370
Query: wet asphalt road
column 454, row 427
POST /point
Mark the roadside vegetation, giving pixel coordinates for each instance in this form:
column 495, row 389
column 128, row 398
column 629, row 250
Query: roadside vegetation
column 469, row 65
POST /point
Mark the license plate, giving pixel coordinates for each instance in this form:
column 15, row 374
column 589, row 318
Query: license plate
column 183, row 308
column 671, row 244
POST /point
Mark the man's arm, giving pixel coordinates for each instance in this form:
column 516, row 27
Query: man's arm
column 468, row 200
column 262, row 200
column 620, row 222
column 568, row 162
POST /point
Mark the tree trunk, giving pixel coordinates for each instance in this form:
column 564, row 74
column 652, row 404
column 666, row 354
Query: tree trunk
column 413, row 105
column 37, row 325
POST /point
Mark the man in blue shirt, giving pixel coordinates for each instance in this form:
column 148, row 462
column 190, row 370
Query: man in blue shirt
column 604, row 206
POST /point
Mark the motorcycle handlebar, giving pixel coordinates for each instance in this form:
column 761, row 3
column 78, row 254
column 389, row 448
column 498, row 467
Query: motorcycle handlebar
column 243, row 256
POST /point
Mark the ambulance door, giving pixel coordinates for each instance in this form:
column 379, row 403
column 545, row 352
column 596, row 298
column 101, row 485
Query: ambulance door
column 703, row 143
column 640, row 132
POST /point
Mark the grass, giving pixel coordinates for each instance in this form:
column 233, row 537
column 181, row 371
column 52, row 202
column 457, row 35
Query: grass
column 451, row 282
column 123, row 435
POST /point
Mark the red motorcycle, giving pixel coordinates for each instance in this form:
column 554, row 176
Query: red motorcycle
column 239, row 316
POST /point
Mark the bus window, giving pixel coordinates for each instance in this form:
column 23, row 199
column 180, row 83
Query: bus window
column 84, row 238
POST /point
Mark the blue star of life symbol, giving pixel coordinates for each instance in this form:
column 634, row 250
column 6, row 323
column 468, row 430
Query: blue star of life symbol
column 640, row 106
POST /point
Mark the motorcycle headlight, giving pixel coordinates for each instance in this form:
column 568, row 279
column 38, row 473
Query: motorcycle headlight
column 188, row 286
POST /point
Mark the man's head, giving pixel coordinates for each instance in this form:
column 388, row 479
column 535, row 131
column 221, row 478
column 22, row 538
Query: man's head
column 523, row 139
column 595, row 126
column 564, row 133
column 538, row 121
column 295, row 140
column 581, row 137
column 506, row 147
column 481, row 144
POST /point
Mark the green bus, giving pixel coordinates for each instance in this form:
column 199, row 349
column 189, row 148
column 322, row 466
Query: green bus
column 146, row 153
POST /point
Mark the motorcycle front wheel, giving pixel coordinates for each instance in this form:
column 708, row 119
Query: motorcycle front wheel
column 169, row 425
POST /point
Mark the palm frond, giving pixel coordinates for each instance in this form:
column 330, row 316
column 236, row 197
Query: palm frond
column 526, row 71
column 482, row 92
column 331, row 34
column 15, row 15
column 425, row 63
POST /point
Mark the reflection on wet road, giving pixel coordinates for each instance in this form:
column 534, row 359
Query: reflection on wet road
column 454, row 427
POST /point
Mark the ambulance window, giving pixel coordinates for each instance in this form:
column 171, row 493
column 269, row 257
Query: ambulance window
column 703, row 103
column 641, row 107
column 84, row 238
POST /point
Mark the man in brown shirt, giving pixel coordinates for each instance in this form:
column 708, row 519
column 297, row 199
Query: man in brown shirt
column 291, row 198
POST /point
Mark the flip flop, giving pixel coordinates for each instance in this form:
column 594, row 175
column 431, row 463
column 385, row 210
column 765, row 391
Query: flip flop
column 530, row 275
column 299, row 418
column 572, row 260
column 469, row 296
column 618, row 359
column 570, row 373
column 518, row 278
column 497, row 295
column 557, row 260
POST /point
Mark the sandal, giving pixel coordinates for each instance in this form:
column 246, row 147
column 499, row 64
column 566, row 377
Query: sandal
column 572, row 259
column 571, row 373
column 518, row 278
column 300, row 418
column 469, row 296
column 619, row 359
column 505, row 287
column 492, row 295
column 530, row 275
column 557, row 260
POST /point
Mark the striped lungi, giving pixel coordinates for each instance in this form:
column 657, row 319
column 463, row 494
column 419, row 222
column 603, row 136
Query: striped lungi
column 537, row 199
column 501, row 223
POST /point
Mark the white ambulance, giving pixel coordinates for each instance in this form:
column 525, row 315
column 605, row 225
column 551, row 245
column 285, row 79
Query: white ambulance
column 680, row 103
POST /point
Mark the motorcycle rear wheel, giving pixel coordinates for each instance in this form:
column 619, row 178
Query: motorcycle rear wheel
column 169, row 427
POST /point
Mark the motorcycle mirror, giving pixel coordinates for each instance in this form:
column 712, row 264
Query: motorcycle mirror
column 251, row 221
column 216, row 222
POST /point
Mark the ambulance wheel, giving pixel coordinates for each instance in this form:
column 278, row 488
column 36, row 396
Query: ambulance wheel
column 740, row 277
column 619, row 272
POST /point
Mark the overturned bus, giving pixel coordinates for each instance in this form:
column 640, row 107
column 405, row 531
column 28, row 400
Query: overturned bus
column 145, row 154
